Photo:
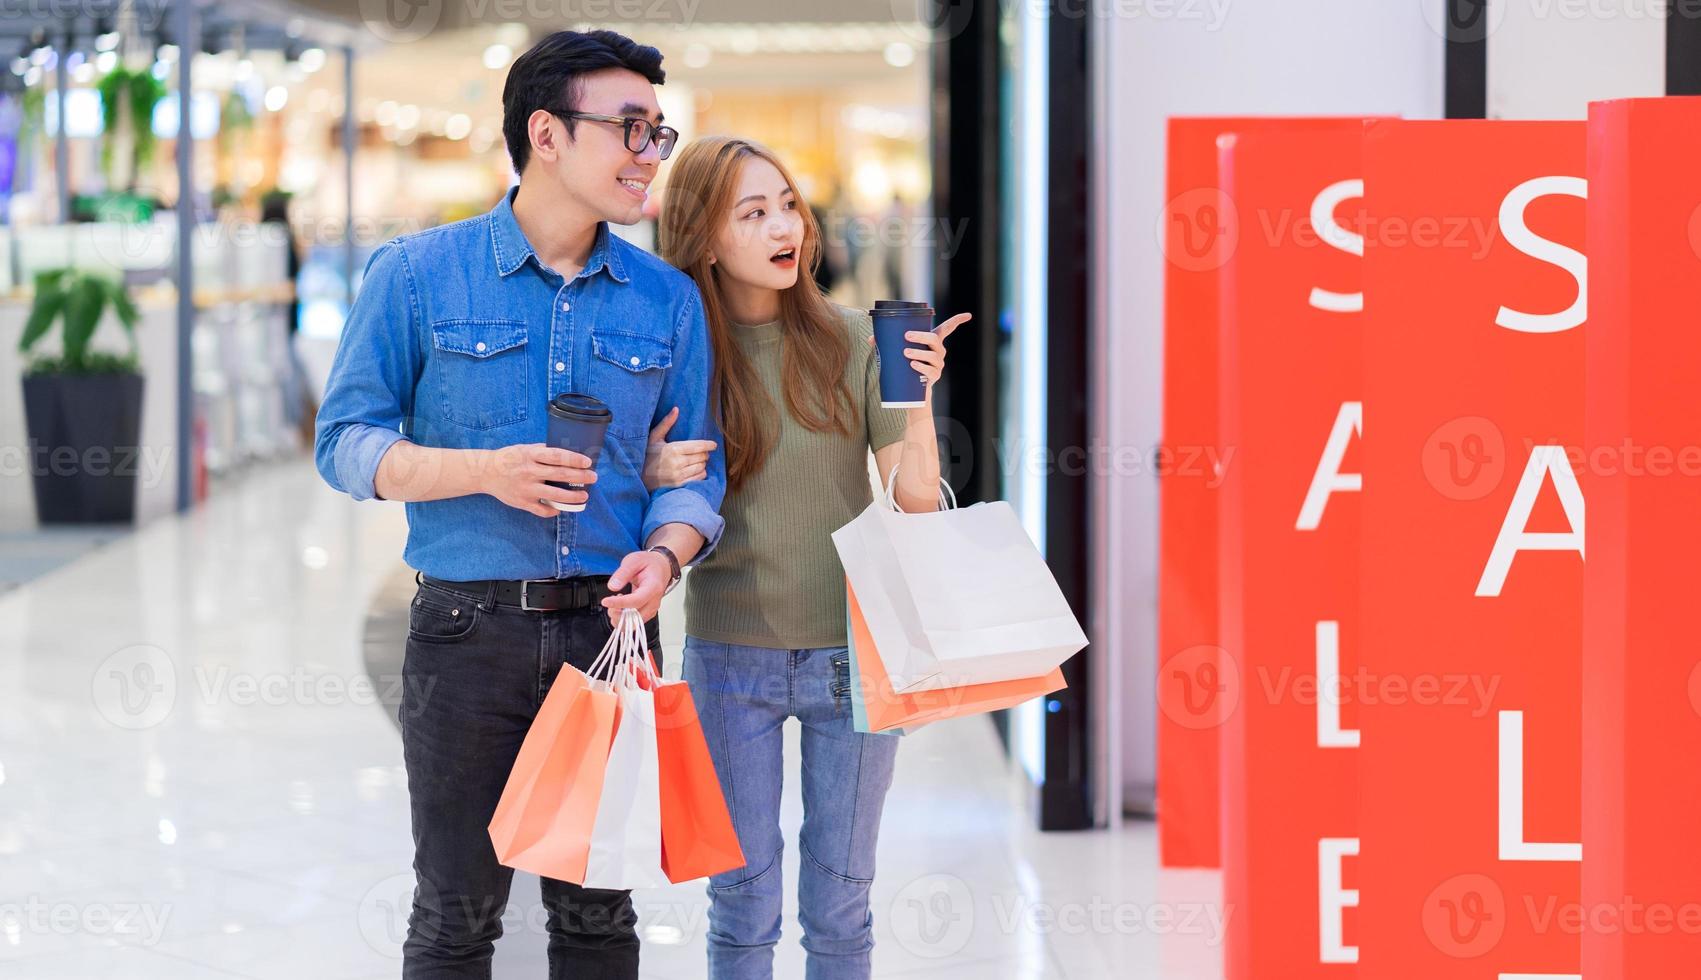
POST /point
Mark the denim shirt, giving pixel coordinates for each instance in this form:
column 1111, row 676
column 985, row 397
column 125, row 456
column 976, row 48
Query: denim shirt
column 459, row 338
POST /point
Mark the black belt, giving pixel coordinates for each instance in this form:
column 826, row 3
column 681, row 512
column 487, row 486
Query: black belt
column 535, row 595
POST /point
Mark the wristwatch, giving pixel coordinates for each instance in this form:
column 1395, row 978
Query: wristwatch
column 672, row 564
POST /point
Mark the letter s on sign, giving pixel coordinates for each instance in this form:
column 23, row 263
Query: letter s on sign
column 1520, row 237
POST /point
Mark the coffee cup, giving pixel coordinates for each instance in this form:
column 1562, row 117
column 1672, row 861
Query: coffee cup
column 901, row 385
column 578, row 423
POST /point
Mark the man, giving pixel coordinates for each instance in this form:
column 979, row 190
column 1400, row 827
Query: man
column 459, row 338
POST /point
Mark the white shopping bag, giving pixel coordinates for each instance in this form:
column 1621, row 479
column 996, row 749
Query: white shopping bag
column 956, row 596
column 625, row 848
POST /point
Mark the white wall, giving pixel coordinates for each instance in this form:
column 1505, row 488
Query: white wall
column 1312, row 57
column 1548, row 58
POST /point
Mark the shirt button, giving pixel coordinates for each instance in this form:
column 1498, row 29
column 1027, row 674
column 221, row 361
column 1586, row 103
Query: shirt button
column 634, row 362
column 565, row 551
column 479, row 345
column 565, row 306
column 560, row 365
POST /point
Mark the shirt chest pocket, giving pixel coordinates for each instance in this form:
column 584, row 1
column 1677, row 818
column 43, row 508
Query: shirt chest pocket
column 480, row 367
column 626, row 372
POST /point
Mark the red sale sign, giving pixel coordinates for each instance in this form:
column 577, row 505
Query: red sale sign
column 1472, row 550
column 1288, row 545
column 1199, row 228
column 1642, row 700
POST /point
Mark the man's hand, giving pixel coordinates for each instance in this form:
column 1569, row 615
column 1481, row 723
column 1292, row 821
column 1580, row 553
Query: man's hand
column 515, row 475
column 649, row 574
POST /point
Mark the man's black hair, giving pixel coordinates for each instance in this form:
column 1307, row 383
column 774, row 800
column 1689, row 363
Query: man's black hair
column 550, row 77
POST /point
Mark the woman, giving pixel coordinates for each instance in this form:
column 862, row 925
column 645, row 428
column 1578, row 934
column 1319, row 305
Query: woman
column 797, row 390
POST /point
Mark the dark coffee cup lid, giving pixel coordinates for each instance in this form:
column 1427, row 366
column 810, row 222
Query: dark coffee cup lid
column 899, row 304
column 585, row 408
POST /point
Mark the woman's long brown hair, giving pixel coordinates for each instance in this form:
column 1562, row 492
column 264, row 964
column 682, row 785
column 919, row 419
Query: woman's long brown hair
column 699, row 198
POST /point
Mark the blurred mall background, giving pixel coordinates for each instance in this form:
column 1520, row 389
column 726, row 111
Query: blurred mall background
column 1004, row 158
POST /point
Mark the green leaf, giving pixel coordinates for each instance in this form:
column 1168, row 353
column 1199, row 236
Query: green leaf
column 48, row 279
column 84, row 301
column 119, row 295
column 45, row 310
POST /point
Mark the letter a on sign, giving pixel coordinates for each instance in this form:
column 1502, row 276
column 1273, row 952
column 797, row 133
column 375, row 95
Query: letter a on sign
column 1349, row 422
column 1513, row 537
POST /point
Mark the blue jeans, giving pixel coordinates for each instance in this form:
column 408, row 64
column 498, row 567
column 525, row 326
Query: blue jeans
column 744, row 695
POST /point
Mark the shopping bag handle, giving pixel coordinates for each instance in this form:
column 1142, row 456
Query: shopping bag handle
column 622, row 647
column 947, row 496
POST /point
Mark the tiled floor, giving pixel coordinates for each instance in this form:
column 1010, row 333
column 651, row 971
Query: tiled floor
column 197, row 779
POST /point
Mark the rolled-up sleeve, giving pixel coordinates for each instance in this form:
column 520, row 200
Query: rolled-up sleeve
column 697, row 503
column 369, row 394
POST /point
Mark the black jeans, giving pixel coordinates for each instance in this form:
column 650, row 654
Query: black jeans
column 475, row 675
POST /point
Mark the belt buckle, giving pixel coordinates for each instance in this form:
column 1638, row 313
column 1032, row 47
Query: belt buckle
column 525, row 598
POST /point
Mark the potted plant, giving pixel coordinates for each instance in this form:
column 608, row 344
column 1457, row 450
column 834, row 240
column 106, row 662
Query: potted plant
column 82, row 407
column 127, row 97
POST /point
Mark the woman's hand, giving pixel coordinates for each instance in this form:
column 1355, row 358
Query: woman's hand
column 928, row 357
column 674, row 464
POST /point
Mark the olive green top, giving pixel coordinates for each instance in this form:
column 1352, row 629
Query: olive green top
column 774, row 580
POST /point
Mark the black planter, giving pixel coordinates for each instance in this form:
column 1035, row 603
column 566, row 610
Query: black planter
column 85, row 447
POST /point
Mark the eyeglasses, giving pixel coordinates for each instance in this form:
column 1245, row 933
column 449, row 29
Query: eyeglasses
column 640, row 132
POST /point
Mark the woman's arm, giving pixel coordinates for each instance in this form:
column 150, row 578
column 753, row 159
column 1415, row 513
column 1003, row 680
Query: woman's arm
column 917, row 457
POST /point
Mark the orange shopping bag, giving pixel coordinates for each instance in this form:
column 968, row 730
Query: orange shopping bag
column 886, row 708
column 698, row 838
column 544, row 819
